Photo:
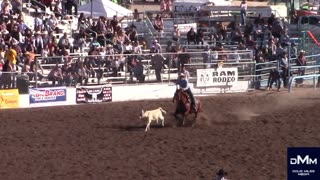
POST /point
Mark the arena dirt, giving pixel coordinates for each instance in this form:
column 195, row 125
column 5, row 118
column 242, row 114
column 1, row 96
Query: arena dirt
column 246, row 134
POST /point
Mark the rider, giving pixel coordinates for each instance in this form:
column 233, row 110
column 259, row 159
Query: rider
column 184, row 85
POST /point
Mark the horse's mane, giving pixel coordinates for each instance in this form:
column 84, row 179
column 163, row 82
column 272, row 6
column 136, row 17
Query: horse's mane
column 180, row 95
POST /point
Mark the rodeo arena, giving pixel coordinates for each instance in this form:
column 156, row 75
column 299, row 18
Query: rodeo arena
column 158, row 89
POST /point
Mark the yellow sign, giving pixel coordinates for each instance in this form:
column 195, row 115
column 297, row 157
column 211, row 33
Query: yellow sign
column 9, row 98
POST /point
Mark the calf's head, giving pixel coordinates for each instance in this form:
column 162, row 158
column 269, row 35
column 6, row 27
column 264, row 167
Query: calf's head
column 142, row 113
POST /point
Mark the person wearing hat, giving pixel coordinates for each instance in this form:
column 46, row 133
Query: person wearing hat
column 284, row 67
column 183, row 84
column 157, row 46
column 221, row 174
column 301, row 61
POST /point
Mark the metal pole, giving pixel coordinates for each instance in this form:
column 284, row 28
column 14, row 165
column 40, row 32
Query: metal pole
column 36, row 71
column 289, row 60
column 91, row 8
column 125, row 70
column 314, row 79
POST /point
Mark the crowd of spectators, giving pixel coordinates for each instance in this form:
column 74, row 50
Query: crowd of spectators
column 20, row 45
column 112, row 49
column 268, row 38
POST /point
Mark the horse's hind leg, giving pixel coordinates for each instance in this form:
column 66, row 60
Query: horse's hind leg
column 183, row 120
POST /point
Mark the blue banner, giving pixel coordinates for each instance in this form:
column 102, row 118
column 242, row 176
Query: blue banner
column 47, row 95
column 303, row 163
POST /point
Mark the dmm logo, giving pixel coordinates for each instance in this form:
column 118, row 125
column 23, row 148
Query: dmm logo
column 305, row 160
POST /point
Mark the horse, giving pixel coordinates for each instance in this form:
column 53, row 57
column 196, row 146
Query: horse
column 183, row 105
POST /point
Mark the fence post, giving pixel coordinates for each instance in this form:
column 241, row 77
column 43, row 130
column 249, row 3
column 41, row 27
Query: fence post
column 314, row 79
column 36, row 71
column 289, row 61
column 125, row 69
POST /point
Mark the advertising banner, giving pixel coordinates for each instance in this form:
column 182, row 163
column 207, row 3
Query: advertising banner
column 303, row 163
column 93, row 94
column 47, row 95
column 9, row 98
column 217, row 77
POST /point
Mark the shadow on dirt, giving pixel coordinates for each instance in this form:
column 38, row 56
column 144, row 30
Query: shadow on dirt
column 138, row 127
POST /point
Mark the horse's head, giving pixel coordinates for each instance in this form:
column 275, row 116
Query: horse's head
column 181, row 96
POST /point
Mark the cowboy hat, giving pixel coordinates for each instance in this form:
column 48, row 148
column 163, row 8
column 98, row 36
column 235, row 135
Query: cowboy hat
column 221, row 172
column 302, row 51
column 109, row 45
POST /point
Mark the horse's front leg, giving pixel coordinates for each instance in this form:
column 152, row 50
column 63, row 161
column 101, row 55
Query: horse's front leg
column 183, row 120
column 195, row 119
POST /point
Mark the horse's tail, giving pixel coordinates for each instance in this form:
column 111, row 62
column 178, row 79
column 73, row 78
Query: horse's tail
column 162, row 110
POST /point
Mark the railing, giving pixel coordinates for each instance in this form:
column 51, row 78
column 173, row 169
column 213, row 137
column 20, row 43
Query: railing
column 42, row 6
column 149, row 25
column 169, row 71
column 303, row 77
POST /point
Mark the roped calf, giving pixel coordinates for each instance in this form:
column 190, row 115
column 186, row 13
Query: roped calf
column 153, row 115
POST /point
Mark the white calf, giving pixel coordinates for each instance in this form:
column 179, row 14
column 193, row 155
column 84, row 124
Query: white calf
column 153, row 115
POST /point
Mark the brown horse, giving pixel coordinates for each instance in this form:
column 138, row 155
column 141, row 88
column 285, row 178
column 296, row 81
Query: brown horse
column 183, row 105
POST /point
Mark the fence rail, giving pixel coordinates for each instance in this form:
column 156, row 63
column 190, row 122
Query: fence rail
column 116, row 68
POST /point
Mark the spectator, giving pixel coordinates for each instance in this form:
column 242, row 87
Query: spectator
column 38, row 43
column 58, row 12
column 176, row 34
column 16, row 6
column 200, row 36
column 284, row 67
column 138, row 72
column 64, row 42
column 185, row 72
column 6, row 79
column 82, row 21
column 72, row 4
column 192, row 36
column 157, row 46
column 48, row 4
column 115, row 22
column 11, row 55
column 301, row 61
column 243, row 12
column 99, row 73
column 52, row 23
column 274, row 77
column 81, row 74
column 157, row 63
column 158, row 24
column 55, row 75
column 206, row 56
column 183, row 58
column 34, row 69
column 293, row 50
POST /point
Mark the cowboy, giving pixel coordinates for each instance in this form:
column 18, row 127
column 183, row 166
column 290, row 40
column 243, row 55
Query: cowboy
column 274, row 76
column 221, row 174
column 184, row 86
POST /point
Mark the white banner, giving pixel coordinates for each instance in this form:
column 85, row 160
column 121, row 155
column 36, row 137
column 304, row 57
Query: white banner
column 217, row 77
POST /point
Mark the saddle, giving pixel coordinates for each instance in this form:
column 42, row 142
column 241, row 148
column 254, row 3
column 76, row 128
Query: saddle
column 189, row 99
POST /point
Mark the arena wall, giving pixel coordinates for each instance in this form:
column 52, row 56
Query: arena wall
column 139, row 92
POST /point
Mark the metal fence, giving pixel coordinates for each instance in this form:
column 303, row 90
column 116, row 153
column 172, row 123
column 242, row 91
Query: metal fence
column 124, row 69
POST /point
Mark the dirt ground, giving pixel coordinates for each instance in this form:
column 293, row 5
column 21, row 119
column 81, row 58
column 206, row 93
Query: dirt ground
column 246, row 134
